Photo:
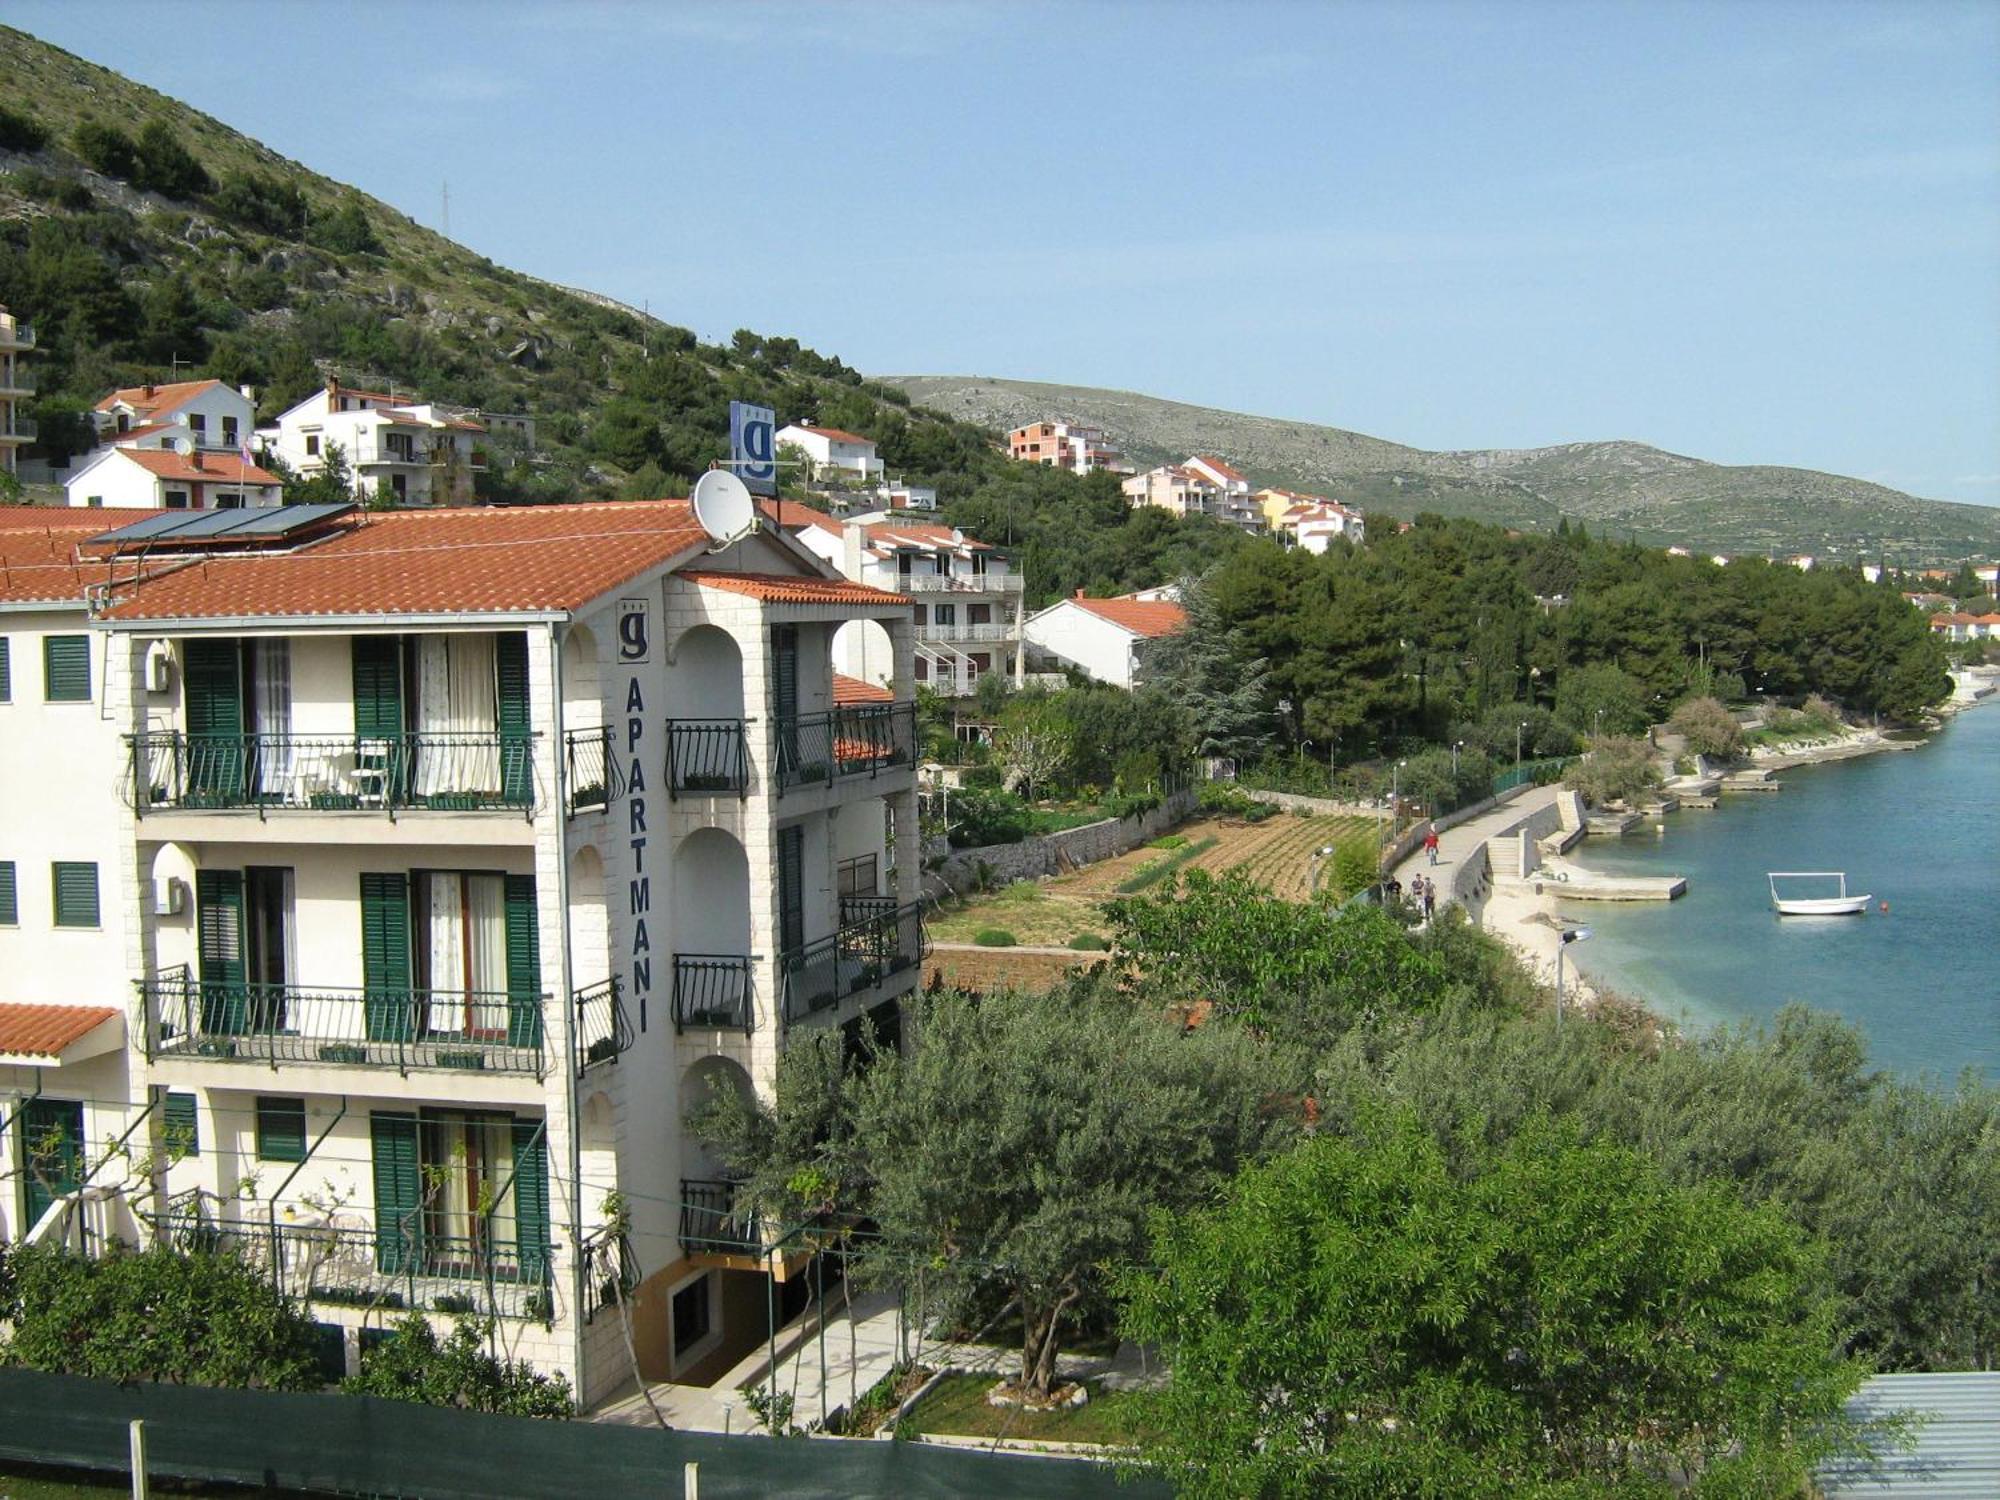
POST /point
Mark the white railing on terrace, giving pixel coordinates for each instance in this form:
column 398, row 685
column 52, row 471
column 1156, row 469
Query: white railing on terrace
column 957, row 633
column 959, row 583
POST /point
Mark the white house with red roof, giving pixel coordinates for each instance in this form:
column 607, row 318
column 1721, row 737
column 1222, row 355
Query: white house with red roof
column 400, row 448
column 178, row 477
column 1076, row 446
column 833, row 448
column 414, row 874
column 216, row 416
column 1204, row 485
column 1107, row 640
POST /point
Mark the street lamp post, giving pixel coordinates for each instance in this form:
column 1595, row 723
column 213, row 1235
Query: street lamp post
column 1600, row 724
column 1460, row 745
column 1517, row 744
column 1573, row 935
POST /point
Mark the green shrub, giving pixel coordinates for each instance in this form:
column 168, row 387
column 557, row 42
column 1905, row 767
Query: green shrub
column 1168, row 841
column 994, row 937
column 413, row 1366
column 1089, row 942
column 1158, row 869
column 166, row 166
column 107, row 148
column 20, row 133
column 1708, row 728
column 984, row 778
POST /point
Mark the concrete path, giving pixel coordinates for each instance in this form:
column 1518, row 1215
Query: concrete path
column 1465, row 841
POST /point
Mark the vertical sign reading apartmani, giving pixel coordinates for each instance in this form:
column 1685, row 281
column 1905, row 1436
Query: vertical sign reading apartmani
column 635, row 653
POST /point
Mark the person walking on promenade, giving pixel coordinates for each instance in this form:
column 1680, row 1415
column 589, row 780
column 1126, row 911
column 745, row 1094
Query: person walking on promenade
column 1431, row 842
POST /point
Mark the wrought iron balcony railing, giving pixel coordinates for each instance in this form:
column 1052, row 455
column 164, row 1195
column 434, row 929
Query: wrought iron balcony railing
column 390, row 1265
column 285, row 772
column 712, row 989
column 711, row 1221
column 477, row 1030
column 959, row 583
column 590, row 770
column 707, row 757
column 603, row 1032
column 858, row 740
column 882, row 939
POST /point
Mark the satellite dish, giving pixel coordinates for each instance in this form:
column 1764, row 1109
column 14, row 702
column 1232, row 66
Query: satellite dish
column 184, row 447
column 957, row 537
column 722, row 505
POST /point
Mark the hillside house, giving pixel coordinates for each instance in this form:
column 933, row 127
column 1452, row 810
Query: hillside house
column 1203, row 486
column 411, row 452
column 178, row 477
column 16, row 386
column 1076, row 446
column 215, row 416
column 421, row 870
column 831, row 449
column 1106, row 639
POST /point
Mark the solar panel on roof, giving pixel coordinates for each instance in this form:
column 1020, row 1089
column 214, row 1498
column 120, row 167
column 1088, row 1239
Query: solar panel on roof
column 264, row 523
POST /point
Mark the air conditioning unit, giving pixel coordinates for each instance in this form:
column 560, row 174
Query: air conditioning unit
column 170, row 897
column 159, row 667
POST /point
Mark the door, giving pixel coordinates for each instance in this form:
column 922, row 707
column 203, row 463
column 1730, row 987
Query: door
column 385, row 957
column 380, row 724
column 213, row 682
column 267, row 942
column 219, row 948
column 51, row 1133
column 516, row 767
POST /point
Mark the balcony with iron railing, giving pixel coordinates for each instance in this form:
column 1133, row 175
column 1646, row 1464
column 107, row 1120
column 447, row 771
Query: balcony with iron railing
column 591, row 777
column 19, row 381
column 289, row 773
column 958, row 583
column 707, row 757
column 602, row 1032
column 490, row 1031
column 387, row 1265
column 18, row 426
column 20, row 336
column 713, row 990
column 877, row 939
column 955, row 634
column 712, row 1223
column 857, row 740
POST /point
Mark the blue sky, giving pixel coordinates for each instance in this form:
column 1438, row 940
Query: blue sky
column 1752, row 232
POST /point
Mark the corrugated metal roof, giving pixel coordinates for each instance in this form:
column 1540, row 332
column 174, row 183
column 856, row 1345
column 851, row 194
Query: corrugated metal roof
column 1957, row 1451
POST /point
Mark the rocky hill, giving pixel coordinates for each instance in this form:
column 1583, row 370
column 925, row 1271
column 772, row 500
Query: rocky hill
column 1623, row 488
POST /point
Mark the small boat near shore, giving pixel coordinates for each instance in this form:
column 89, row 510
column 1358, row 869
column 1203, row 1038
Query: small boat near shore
column 1840, row 904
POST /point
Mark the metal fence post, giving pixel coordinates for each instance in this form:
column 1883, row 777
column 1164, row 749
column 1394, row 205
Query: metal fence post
column 138, row 1450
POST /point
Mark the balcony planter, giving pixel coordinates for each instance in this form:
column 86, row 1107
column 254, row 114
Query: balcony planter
column 604, row 1049
column 453, row 801
column 455, row 1302
column 334, row 802
column 713, row 783
column 473, row 1060
column 343, row 1052
column 215, row 1049
column 540, row 1306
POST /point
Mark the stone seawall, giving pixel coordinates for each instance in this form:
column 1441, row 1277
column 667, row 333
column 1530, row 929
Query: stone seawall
column 1056, row 853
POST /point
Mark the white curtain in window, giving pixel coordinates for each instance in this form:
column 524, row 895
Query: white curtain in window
column 445, row 941
column 475, row 711
column 271, row 711
column 487, row 1001
column 433, row 716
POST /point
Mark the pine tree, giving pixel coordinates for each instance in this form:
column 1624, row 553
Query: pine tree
column 1206, row 671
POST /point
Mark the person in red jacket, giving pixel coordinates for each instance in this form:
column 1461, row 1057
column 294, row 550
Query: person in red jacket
column 1431, row 842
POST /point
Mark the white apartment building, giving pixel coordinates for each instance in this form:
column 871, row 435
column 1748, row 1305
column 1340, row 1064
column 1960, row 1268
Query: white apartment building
column 1075, row 446
column 1107, row 640
column 831, row 448
column 17, row 384
column 214, row 415
column 416, row 873
column 1196, row 488
column 401, row 449
column 169, row 472
column 967, row 601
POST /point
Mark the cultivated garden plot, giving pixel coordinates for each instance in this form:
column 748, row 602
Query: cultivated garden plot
column 1277, row 853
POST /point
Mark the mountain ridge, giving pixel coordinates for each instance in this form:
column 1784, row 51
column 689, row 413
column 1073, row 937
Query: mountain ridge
column 1621, row 485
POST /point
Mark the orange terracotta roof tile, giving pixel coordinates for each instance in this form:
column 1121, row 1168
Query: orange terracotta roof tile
column 479, row 560
column 797, row 517
column 853, row 690
column 775, row 588
column 39, row 562
column 1147, row 617
column 839, row 435
column 159, row 398
column 48, row 1030
column 1218, row 466
column 205, row 468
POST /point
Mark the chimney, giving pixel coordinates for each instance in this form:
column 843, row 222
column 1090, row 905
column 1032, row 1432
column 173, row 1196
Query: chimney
column 247, row 394
column 1079, row 593
column 194, row 459
column 147, row 390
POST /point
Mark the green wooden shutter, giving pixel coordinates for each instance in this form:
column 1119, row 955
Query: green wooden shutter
column 183, row 1123
column 225, row 993
column 281, row 1128
column 385, row 957
column 212, row 672
column 785, row 697
column 75, row 886
column 791, row 889
column 524, row 964
column 399, row 1198
column 66, row 668
column 531, row 1199
column 517, row 771
column 51, row 1155
column 378, row 687
column 6, row 671
column 10, row 896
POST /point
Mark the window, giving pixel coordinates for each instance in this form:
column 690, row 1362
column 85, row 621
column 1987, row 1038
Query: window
column 281, row 1129
column 177, row 499
column 312, row 445
column 75, row 885
column 6, row 672
column 945, row 614
column 691, row 1316
column 229, row 500
column 66, row 668
column 183, row 1127
column 857, row 876
column 229, row 431
column 198, row 425
column 95, row 502
column 10, row 905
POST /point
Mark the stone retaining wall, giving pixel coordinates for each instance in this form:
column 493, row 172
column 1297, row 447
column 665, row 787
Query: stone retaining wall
column 1325, row 806
column 1057, row 853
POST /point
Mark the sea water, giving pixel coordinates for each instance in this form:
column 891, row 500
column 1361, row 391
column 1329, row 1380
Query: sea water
column 1918, row 829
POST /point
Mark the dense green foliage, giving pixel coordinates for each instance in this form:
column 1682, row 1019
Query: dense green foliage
column 413, row 1365
column 1456, row 624
column 1550, row 1316
column 1708, row 728
column 190, row 1319
column 1618, row 769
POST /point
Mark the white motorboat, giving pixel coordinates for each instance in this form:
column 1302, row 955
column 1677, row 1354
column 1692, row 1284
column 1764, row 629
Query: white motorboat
column 1839, row 904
